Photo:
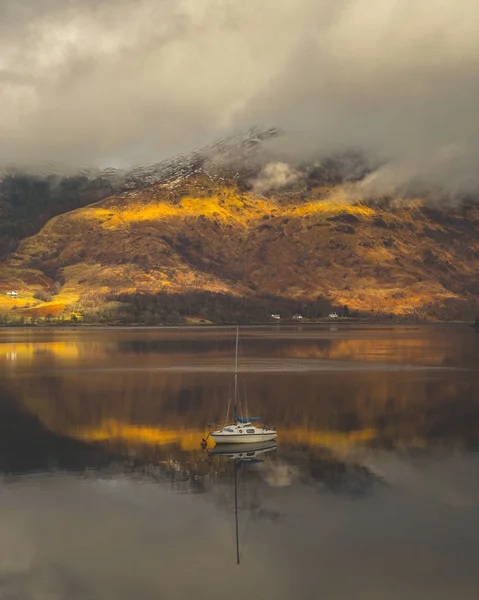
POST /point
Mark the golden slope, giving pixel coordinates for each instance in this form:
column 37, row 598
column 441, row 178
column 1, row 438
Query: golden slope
column 206, row 235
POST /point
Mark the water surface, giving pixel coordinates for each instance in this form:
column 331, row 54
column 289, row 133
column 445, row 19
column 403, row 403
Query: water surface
column 371, row 492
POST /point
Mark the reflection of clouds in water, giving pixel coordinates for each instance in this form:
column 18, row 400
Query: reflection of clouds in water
column 449, row 479
column 44, row 583
column 126, row 539
column 122, row 539
column 16, row 550
column 280, row 474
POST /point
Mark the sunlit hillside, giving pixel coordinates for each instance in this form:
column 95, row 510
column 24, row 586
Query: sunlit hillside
column 205, row 234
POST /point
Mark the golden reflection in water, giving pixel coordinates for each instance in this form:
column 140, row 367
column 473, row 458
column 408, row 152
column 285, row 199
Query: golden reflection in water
column 395, row 345
column 79, row 384
column 28, row 352
column 188, row 439
column 307, row 410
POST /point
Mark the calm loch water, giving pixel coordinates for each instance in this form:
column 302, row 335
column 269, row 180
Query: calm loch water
column 372, row 491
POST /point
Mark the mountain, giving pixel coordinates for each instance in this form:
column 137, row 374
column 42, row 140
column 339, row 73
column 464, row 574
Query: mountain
column 28, row 201
column 231, row 232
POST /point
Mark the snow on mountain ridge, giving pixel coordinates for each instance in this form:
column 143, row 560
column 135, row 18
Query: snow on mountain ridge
column 238, row 149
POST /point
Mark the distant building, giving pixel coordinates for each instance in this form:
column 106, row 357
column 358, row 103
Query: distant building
column 297, row 316
column 275, row 317
column 13, row 293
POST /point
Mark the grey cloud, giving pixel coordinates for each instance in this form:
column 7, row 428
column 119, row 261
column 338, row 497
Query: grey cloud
column 123, row 81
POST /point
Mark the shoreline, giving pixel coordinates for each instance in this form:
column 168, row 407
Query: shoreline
column 331, row 322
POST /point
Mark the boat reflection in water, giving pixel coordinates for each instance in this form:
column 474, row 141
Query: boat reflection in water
column 243, row 455
column 244, row 452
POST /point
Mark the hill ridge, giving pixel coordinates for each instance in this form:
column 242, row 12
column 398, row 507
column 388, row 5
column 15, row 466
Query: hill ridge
column 302, row 248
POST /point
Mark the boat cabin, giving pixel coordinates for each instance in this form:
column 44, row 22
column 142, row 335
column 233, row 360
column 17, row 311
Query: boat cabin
column 243, row 433
column 241, row 429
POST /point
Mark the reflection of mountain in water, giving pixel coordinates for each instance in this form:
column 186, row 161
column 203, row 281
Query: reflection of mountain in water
column 26, row 446
column 389, row 409
column 113, row 392
column 399, row 345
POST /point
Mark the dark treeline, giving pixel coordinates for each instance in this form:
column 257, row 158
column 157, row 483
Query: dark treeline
column 209, row 306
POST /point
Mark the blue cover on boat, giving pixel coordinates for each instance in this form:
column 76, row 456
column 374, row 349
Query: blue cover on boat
column 246, row 419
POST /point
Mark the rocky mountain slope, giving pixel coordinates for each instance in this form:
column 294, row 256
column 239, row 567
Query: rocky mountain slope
column 229, row 232
column 28, row 201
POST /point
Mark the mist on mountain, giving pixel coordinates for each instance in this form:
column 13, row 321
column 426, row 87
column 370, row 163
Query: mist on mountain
column 126, row 82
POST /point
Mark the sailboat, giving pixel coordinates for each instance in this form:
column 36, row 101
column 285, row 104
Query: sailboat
column 242, row 431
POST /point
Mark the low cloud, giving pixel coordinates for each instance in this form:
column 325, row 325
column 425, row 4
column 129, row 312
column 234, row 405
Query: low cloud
column 275, row 176
column 120, row 82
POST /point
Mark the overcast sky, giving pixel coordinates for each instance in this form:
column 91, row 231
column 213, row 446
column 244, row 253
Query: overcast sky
column 118, row 82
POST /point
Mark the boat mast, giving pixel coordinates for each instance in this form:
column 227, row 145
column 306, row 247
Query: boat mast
column 236, row 370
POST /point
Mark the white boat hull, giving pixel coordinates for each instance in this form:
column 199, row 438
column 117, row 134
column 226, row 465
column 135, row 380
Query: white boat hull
column 244, row 438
